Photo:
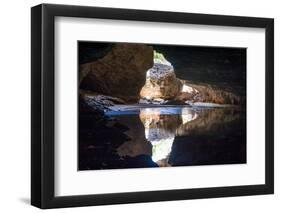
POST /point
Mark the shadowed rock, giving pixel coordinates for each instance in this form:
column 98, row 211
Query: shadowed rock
column 120, row 73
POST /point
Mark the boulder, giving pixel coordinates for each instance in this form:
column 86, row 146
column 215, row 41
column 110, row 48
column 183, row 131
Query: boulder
column 120, row 73
column 90, row 101
column 199, row 92
column 161, row 83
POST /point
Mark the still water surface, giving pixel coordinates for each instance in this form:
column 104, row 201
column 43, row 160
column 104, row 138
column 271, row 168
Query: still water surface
column 164, row 136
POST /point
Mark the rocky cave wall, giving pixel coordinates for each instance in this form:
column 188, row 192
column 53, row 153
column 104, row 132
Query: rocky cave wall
column 218, row 75
column 119, row 70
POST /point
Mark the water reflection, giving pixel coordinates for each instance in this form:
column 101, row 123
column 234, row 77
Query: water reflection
column 163, row 136
column 161, row 127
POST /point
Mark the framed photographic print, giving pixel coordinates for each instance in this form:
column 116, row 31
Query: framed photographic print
column 140, row 106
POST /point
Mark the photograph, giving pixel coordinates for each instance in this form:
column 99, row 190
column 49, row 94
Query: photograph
column 160, row 105
column 133, row 105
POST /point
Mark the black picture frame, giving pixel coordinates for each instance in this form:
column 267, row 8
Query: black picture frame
column 43, row 117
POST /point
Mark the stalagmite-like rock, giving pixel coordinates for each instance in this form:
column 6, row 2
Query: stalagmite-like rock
column 161, row 82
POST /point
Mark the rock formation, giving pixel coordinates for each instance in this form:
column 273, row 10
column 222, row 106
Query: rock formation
column 163, row 87
column 91, row 101
column 136, row 73
column 161, row 83
column 202, row 92
column 120, row 73
column 219, row 74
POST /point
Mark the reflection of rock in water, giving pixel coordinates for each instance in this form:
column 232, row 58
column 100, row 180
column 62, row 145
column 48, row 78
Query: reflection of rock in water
column 162, row 136
column 137, row 144
column 161, row 83
column 161, row 150
column 161, row 128
column 208, row 120
column 113, row 143
column 216, row 137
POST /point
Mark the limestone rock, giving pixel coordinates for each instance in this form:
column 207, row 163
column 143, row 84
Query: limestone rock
column 120, row 73
column 161, row 83
column 90, row 101
column 210, row 93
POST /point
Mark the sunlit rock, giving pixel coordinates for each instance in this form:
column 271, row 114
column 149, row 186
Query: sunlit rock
column 161, row 81
column 211, row 93
column 188, row 89
column 163, row 87
column 149, row 100
column 95, row 101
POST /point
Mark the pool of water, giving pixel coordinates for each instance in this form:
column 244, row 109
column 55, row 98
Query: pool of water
column 162, row 136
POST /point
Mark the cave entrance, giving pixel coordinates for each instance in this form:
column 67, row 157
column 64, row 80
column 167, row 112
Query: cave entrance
column 162, row 86
column 162, row 124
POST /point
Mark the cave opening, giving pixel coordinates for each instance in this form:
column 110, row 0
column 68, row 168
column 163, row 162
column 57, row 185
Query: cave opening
column 162, row 85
